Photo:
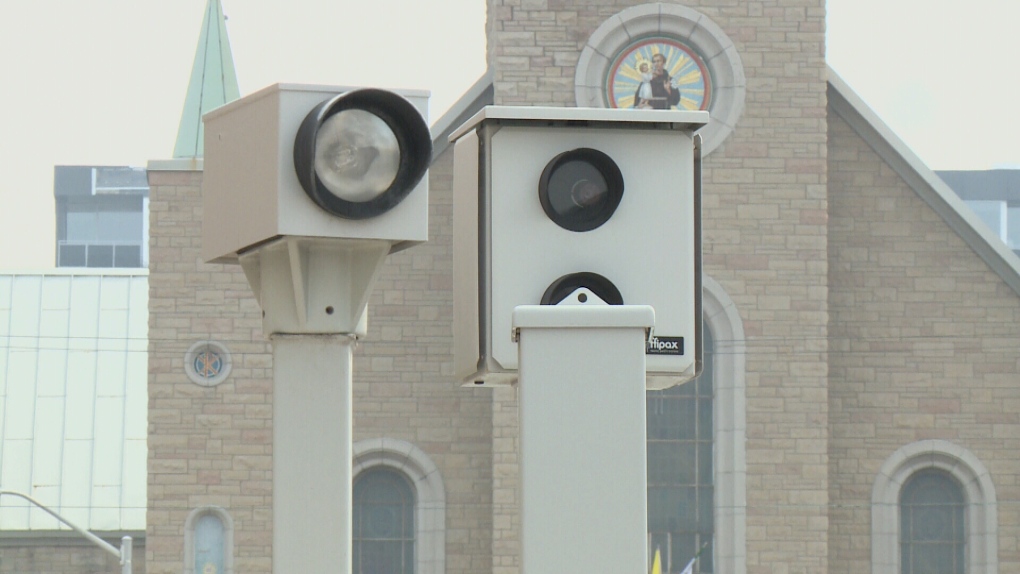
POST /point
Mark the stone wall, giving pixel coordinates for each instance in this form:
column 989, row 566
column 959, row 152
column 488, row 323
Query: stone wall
column 64, row 554
column 923, row 346
column 207, row 445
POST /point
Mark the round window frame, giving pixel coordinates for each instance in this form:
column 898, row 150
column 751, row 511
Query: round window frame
column 196, row 377
column 684, row 25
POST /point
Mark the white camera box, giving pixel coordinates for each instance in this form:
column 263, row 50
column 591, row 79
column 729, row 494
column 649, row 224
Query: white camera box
column 250, row 188
column 508, row 251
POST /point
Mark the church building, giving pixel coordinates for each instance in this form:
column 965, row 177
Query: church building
column 859, row 410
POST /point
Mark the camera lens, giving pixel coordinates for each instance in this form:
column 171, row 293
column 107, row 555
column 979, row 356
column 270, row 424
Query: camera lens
column 580, row 189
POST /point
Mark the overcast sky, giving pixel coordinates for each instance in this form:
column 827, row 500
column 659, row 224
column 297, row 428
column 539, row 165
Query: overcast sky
column 102, row 82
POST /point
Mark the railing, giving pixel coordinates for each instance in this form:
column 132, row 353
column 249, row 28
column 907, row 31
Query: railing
column 126, row 546
column 116, row 253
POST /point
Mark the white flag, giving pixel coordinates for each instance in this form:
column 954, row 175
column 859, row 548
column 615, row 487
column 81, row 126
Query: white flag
column 690, row 567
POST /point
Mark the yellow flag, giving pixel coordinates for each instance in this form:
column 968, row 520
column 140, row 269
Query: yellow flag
column 657, row 563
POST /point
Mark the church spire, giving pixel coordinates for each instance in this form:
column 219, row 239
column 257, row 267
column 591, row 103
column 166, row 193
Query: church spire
column 213, row 81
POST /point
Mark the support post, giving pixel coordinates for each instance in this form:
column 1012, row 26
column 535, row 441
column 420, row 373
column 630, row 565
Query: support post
column 312, row 418
column 582, row 437
column 127, row 549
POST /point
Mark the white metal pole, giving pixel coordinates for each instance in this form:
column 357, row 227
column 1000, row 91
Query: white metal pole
column 126, row 554
column 582, row 415
column 312, row 420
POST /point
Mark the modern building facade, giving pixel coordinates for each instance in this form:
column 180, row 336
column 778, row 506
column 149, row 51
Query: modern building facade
column 994, row 195
column 102, row 216
column 73, row 405
column 860, row 409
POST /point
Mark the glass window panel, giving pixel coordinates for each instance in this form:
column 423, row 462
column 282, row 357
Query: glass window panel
column 992, row 213
column 683, row 549
column 1013, row 226
column 71, row 256
column 99, row 256
column 706, row 508
column 127, row 256
column 119, row 226
column 932, row 537
column 705, row 419
column 383, row 521
column 708, row 352
column 209, row 540
column 81, row 226
column 705, row 472
column 680, row 469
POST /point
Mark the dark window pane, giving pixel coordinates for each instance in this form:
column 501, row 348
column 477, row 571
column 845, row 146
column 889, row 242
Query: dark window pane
column 383, row 521
column 705, row 419
column 705, row 463
column 680, row 470
column 71, row 256
column 100, row 256
column 706, row 507
column 127, row 256
column 932, row 537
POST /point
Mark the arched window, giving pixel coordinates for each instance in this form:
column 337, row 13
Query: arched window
column 680, row 469
column 399, row 509
column 696, row 452
column 933, row 509
column 209, row 541
column 209, row 535
column 383, row 535
column 932, row 524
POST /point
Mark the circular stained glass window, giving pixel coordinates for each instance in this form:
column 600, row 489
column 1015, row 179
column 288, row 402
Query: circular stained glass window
column 207, row 363
column 668, row 57
column 658, row 73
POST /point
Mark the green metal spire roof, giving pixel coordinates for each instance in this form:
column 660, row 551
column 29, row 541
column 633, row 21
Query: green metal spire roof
column 213, row 81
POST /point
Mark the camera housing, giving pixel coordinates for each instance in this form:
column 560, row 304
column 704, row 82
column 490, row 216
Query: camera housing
column 308, row 188
column 549, row 201
column 254, row 193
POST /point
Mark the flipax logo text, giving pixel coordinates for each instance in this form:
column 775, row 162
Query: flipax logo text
column 665, row 346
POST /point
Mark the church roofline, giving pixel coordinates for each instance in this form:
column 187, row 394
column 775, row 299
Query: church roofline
column 928, row 186
column 476, row 97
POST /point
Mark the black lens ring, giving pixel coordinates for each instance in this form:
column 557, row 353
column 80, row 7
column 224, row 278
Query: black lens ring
column 587, row 219
column 561, row 288
column 413, row 139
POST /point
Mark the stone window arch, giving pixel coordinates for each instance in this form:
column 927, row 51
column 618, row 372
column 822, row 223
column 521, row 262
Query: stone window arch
column 980, row 507
column 730, row 427
column 209, row 541
column 728, row 415
column 428, row 489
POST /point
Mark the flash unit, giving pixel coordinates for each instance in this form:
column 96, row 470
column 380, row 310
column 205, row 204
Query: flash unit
column 358, row 154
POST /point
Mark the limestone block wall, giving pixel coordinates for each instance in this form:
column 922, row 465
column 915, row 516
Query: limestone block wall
column 213, row 446
column 923, row 346
column 66, row 555
column 207, row 446
column 765, row 242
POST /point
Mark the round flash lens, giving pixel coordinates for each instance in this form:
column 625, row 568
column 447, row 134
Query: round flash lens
column 356, row 155
column 580, row 189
